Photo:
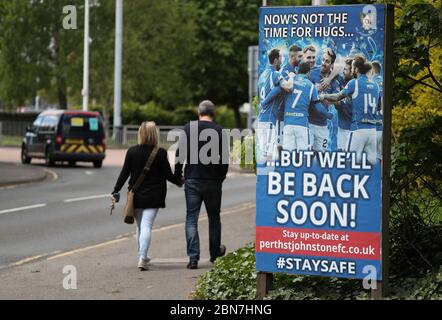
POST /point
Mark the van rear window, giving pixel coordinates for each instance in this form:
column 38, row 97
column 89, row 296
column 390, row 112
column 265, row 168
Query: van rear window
column 77, row 122
column 81, row 123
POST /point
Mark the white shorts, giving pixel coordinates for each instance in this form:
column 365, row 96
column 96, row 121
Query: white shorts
column 379, row 144
column 318, row 137
column 363, row 140
column 266, row 143
column 342, row 138
column 296, row 138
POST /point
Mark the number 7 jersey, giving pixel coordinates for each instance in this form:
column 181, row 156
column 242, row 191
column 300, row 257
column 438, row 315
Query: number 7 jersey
column 364, row 96
column 297, row 102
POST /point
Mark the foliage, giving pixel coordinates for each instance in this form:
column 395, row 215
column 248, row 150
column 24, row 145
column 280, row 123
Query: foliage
column 243, row 153
column 232, row 277
column 38, row 56
column 225, row 30
column 248, row 156
column 225, row 117
column 417, row 35
column 416, row 199
column 36, row 53
column 175, row 52
column 11, row 141
column 134, row 113
column 425, row 102
column 158, row 51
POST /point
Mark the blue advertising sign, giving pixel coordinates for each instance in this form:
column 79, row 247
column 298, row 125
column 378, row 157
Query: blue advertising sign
column 319, row 140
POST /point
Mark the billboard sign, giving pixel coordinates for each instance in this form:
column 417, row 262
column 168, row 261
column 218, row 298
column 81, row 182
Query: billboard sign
column 319, row 140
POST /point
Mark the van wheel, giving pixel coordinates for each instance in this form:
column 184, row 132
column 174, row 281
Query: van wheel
column 98, row 163
column 49, row 162
column 24, row 156
column 72, row 163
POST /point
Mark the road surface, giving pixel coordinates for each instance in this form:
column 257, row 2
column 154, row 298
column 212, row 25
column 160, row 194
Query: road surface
column 72, row 211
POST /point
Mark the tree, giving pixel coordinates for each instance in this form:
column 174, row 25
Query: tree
column 158, row 46
column 158, row 42
column 418, row 34
column 36, row 52
column 225, row 30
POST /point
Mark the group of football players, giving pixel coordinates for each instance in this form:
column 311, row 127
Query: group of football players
column 334, row 106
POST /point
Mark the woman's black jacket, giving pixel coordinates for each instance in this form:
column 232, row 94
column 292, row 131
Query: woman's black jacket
column 152, row 191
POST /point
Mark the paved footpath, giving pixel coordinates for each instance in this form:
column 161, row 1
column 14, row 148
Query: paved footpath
column 114, row 157
column 14, row 173
column 108, row 270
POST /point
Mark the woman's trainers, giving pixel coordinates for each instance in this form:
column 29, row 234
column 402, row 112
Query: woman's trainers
column 142, row 264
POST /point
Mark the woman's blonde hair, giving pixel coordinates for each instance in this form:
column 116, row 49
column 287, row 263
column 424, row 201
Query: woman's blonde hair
column 147, row 133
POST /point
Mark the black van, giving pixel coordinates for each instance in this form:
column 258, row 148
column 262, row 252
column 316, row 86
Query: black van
column 62, row 135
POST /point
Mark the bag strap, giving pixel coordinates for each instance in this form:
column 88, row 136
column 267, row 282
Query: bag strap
column 146, row 168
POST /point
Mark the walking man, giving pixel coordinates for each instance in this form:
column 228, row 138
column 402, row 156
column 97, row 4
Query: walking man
column 206, row 154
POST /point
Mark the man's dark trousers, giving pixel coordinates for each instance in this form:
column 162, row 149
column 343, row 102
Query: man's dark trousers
column 198, row 191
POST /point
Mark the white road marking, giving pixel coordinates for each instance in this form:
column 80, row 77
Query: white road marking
column 87, row 198
column 127, row 236
column 30, row 259
column 52, row 173
column 124, row 237
column 23, row 208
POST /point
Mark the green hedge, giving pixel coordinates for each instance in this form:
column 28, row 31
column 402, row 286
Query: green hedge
column 133, row 113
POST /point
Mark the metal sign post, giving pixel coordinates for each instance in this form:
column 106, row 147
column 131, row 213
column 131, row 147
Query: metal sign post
column 382, row 287
column 253, row 83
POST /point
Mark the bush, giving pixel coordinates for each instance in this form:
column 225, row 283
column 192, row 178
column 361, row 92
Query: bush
column 152, row 112
column 134, row 114
column 243, row 153
column 416, row 200
column 182, row 115
column 234, row 277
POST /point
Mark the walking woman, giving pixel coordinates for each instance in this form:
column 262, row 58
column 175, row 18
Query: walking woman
column 151, row 194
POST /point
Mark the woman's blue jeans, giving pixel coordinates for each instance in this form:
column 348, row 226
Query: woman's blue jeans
column 210, row 192
column 144, row 219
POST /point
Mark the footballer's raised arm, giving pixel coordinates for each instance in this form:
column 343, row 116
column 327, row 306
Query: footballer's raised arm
column 346, row 92
column 334, row 97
